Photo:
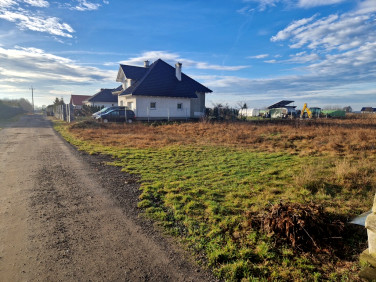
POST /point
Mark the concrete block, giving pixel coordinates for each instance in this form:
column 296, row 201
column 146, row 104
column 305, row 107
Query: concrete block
column 374, row 205
column 371, row 222
column 365, row 257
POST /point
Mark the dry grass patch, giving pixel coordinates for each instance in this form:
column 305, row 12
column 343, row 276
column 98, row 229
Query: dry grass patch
column 348, row 137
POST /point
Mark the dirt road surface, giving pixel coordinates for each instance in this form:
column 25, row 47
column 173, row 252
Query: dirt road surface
column 65, row 216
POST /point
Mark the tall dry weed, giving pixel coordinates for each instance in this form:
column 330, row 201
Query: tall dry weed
column 309, row 178
column 356, row 174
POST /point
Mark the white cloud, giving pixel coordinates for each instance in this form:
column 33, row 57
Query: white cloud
column 206, row 66
column 246, row 10
column 59, row 92
column 49, row 74
column 20, row 13
column 172, row 58
column 261, row 56
column 84, row 5
column 25, row 20
column 28, row 20
column 303, row 58
column 37, row 3
column 7, row 3
column 294, row 86
column 342, row 47
column 337, row 55
column 36, row 65
column 264, row 4
column 355, row 64
column 367, row 6
column 335, row 32
column 293, row 28
column 315, row 3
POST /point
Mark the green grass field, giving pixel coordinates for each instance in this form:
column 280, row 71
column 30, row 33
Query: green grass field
column 211, row 196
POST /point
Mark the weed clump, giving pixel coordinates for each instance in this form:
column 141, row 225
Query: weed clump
column 305, row 227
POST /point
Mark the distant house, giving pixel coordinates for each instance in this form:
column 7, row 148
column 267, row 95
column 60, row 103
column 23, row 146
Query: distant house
column 160, row 91
column 368, row 110
column 283, row 108
column 77, row 100
column 104, row 98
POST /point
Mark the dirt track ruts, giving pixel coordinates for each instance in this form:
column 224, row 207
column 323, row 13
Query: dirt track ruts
column 66, row 216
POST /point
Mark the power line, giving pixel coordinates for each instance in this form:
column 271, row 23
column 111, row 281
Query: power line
column 32, row 96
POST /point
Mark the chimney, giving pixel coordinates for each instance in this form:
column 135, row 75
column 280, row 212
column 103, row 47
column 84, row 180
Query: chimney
column 146, row 64
column 178, row 70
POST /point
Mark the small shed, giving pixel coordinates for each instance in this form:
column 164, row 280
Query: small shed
column 278, row 112
column 249, row 112
column 284, row 104
column 333, row 113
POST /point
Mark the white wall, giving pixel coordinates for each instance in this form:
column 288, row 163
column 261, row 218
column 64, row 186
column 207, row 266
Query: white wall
column 124, row 100
column 165, row 106
column 198, row 105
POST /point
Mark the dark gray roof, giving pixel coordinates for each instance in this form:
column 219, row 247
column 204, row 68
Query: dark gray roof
column 368, row 109
column 132, row 72
column 105, row 95
column 280, row 104
column 160, row 80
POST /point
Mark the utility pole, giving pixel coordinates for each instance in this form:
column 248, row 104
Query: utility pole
column 32, row 96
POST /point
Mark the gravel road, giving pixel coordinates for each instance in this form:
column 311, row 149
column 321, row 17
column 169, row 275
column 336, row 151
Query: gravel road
column 65, row 216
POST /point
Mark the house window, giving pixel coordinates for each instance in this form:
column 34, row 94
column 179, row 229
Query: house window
column 180, row 106
column 121, row 103
column 153, row 105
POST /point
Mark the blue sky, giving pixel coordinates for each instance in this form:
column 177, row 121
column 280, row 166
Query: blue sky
column 322, row 52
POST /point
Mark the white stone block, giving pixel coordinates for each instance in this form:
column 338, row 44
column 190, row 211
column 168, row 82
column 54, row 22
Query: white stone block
column 371, row 242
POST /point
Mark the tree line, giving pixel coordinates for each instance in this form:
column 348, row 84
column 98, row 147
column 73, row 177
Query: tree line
column 10, row 108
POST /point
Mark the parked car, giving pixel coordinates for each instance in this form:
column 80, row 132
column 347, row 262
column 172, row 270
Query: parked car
column 100, row 112
column 119, row 114
column 107, row 109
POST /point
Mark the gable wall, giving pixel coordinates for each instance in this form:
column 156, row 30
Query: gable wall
column 166, row 107
column 198, row 105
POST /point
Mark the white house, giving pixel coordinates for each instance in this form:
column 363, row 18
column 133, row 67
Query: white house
column 104, row 98
column 160, row 91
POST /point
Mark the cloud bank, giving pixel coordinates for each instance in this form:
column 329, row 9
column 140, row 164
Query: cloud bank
column 173, row 58
column 28, row 15
column 265, row 4
column 335, row 56
column 47, row 72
